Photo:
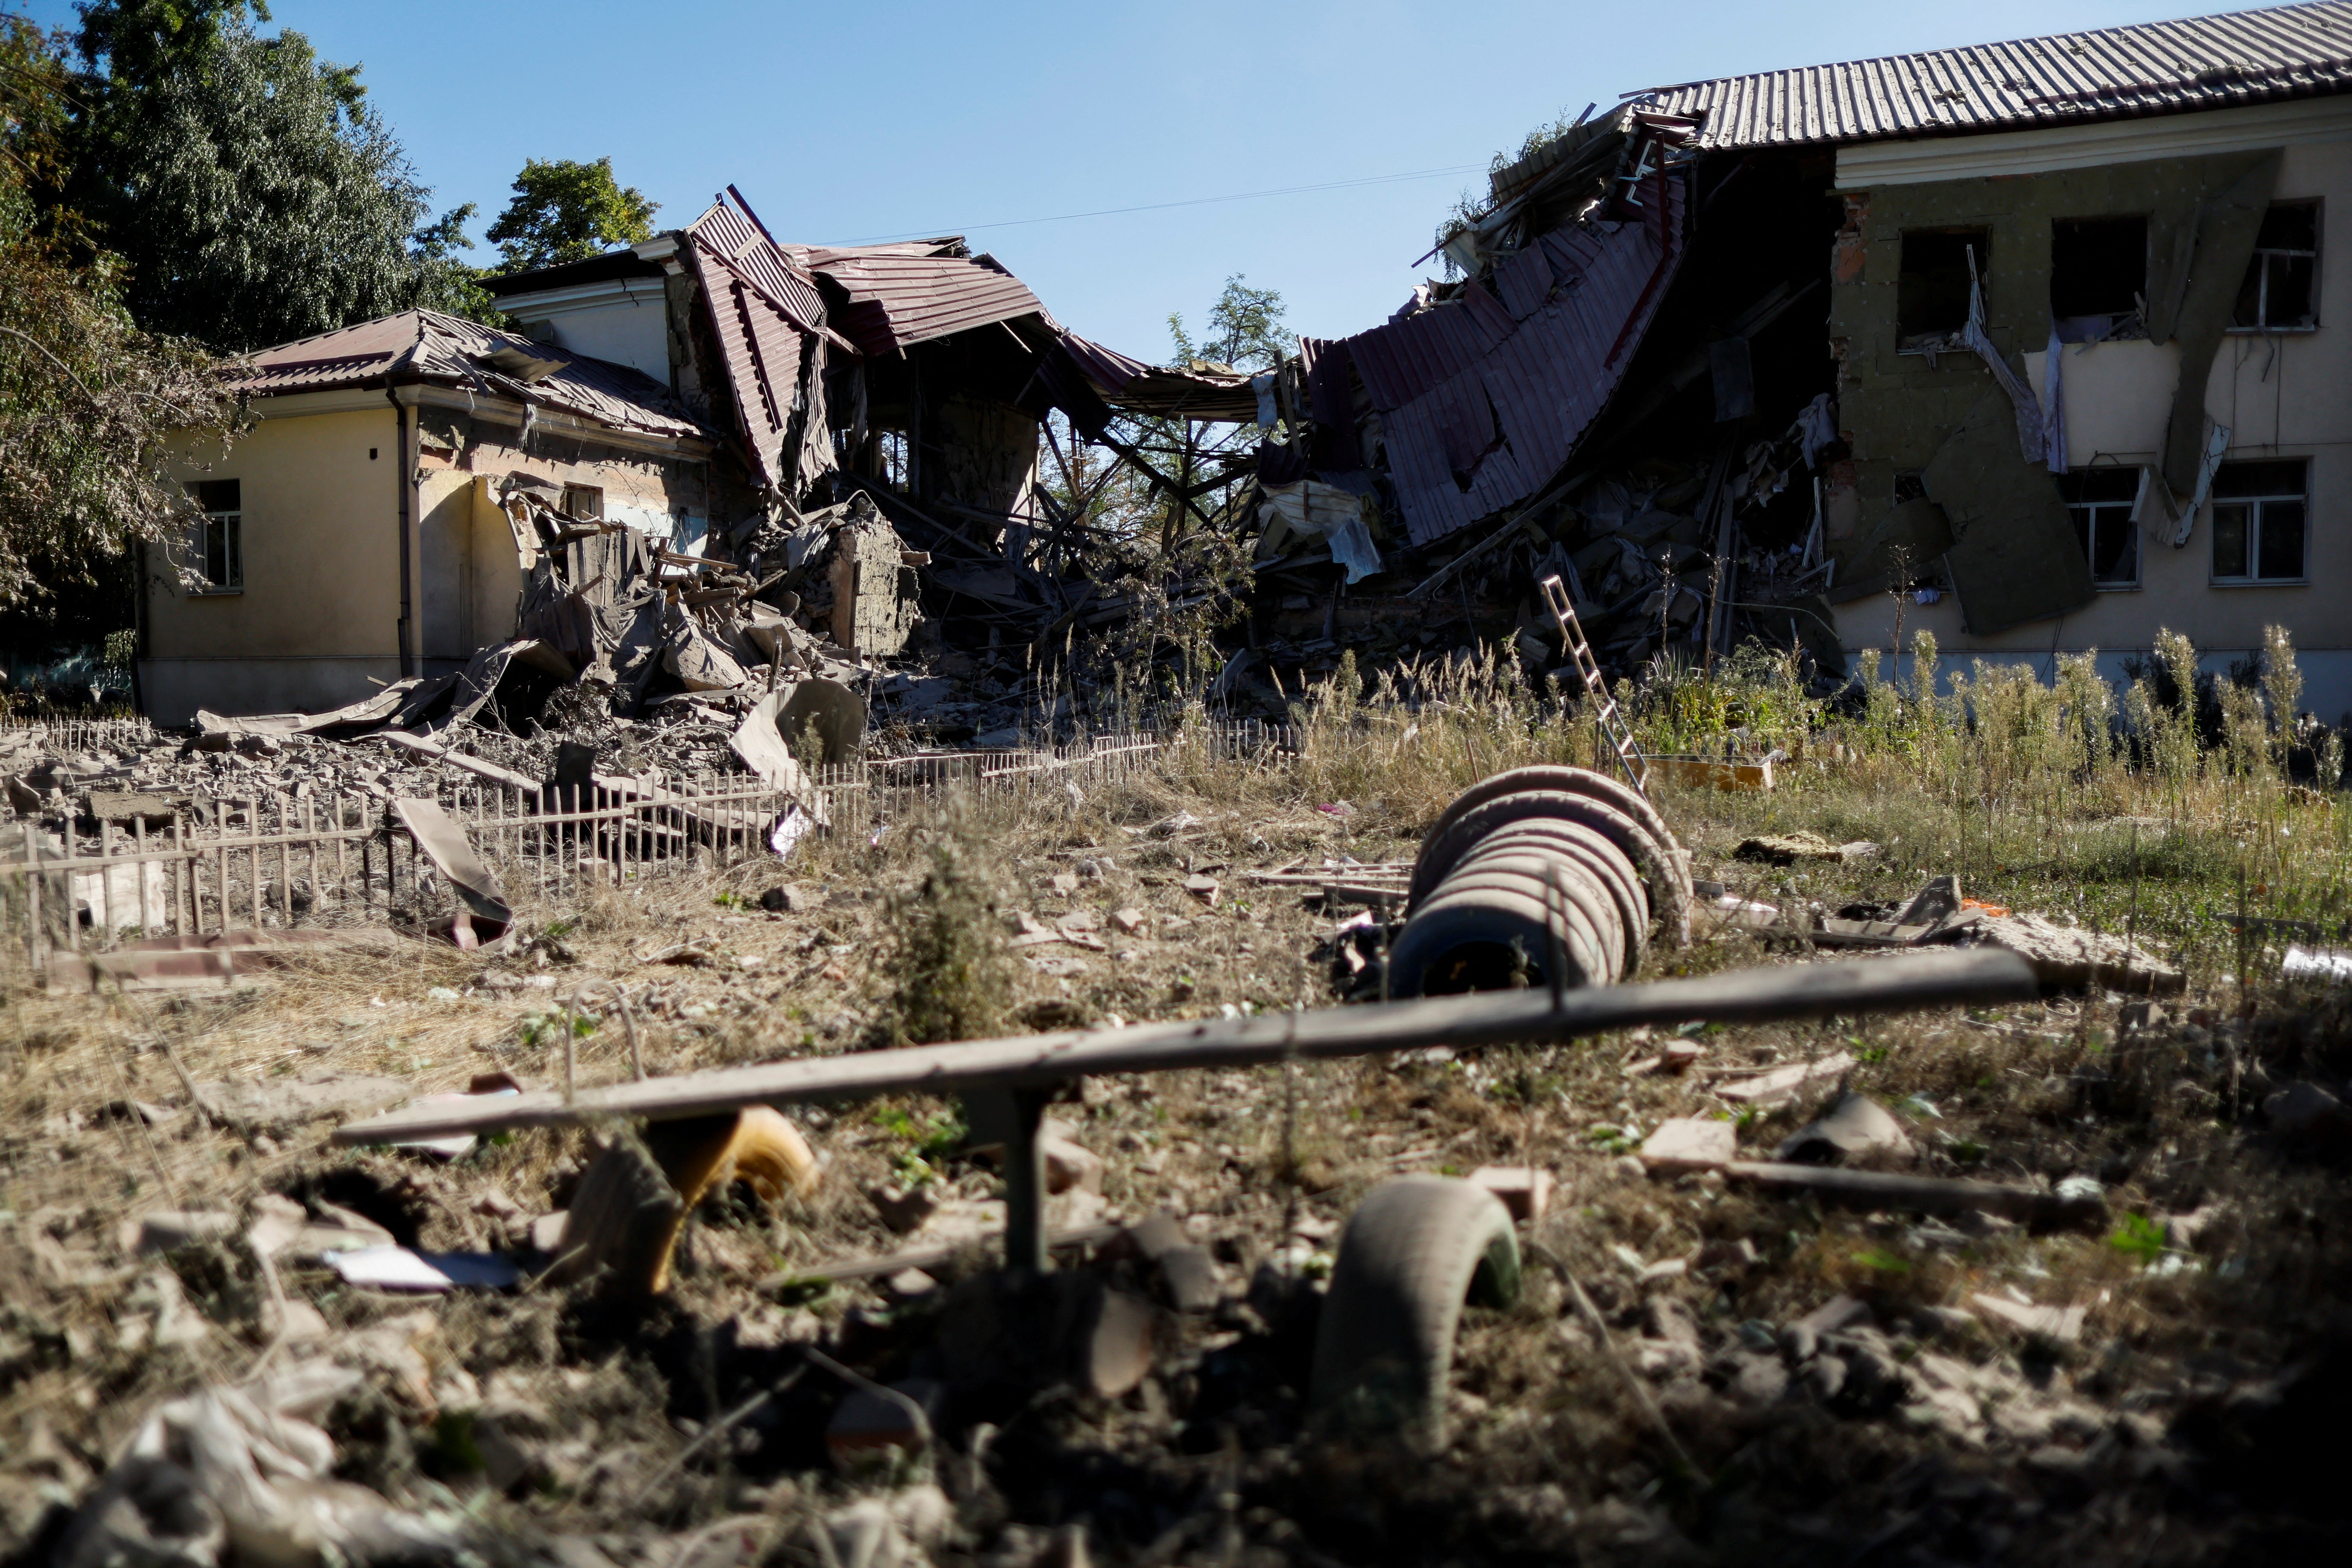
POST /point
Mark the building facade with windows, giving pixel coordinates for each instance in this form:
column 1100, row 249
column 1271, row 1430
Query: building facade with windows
column 2212, row 512
column 2084, row 313
column 355, row 536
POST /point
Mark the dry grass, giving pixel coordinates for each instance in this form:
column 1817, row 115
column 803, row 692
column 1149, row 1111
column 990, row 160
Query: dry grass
column 1554, row 1458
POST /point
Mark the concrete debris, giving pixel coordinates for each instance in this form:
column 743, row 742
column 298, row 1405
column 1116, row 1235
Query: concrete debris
column 2070, row 958
column 275, row 1104
column 1525, row 1190
column 2063, row 1324
column 1789, row 848
column 1783, row 1083
column 167, row 1231
column 1689, row 1143
column 1856, row 1131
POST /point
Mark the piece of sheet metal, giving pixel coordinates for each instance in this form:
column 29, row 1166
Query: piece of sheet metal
column 1545, row 380
column 425, row 345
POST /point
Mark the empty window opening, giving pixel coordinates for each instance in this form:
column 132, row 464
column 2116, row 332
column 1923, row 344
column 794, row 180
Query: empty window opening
column 2259, row 512
column 2101, row 501
column 2280, row 290
column 1931, row 297
column 586, row 502
column 2098, row 267
column 221, row 549
column 1909, row 486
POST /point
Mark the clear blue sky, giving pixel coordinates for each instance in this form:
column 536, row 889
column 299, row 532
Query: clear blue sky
column 847, row 122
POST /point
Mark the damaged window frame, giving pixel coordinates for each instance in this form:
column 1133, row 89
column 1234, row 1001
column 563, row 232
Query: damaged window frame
column 2263, row 267
column 2123, row 314
column 1944, row 340
column 2257, row 504
column 586, row 502
column 219, row 539
column 2092, row 516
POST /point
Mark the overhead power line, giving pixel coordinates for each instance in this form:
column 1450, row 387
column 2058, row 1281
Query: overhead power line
column 1190, row 201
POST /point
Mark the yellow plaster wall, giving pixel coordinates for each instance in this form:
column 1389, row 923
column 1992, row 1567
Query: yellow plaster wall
column 319, row 611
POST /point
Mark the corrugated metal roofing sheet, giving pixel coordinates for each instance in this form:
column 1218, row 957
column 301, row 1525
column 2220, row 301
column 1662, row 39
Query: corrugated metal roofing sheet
column 1141, row 388
column 1402, row 360
column 1506, row 420
column 897, row 297
column 764, row 264
column 2113, row 73
column 761, row 351
column 425, row 345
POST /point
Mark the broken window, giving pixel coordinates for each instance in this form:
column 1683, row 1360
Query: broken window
column 2100, row 503
column 584, row 501
column 2258, row 522
column 221, row 548
column 2098, row 267
column 1931, row 297
column 2280, row 287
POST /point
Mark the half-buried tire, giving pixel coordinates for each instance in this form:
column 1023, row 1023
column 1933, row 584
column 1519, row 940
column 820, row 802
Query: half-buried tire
column 1410, row 1255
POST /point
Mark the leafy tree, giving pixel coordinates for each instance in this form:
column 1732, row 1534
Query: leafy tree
column 1246, row 330
column 252, row 193
column 91, row 407
column 568, row 211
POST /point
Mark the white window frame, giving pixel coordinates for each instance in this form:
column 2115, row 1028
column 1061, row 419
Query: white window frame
column 230, row 520
column 2261, row 263
column 2254, row 530
column 2128, row 512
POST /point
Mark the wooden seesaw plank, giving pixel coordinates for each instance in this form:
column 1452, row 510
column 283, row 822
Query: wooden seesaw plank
column 1485, row 1018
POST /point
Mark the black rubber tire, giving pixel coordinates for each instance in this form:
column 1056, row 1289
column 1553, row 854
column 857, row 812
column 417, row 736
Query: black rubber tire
column 1446, row 841
column 1659, row 861
column 1413, row 1252
column 1555, row 882
column 1506, row 900
column 1579, row 846
column 1564, row 779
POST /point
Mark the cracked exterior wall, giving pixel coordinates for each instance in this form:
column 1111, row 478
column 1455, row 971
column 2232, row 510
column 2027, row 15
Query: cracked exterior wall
column 2281, row 393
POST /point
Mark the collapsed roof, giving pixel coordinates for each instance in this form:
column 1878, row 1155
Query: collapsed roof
column 426, row 346
column 786, row 317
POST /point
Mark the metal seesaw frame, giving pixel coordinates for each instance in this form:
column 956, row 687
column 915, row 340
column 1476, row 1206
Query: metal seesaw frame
column 1006, row 1084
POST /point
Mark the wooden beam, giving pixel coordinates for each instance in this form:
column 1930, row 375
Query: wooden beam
column 1920, row 1194
column 1485, row 1018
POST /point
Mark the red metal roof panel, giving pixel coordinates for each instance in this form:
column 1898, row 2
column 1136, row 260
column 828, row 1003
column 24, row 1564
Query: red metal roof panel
column 425, row 345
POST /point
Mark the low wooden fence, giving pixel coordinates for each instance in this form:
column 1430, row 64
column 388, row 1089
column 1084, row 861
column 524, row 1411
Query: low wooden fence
column 342, row 858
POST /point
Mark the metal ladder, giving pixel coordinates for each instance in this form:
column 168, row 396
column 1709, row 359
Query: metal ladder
column 1613, row 724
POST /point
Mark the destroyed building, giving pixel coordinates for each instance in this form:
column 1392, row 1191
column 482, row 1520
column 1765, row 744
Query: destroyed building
column 2020, row 345
column 705, row 461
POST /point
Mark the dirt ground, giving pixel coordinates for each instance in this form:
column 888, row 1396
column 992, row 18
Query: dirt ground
column 1705, row 1410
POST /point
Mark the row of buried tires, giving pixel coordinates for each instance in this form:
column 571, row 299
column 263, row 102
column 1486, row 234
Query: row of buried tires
column 1530, row 872
column 1537, row 870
